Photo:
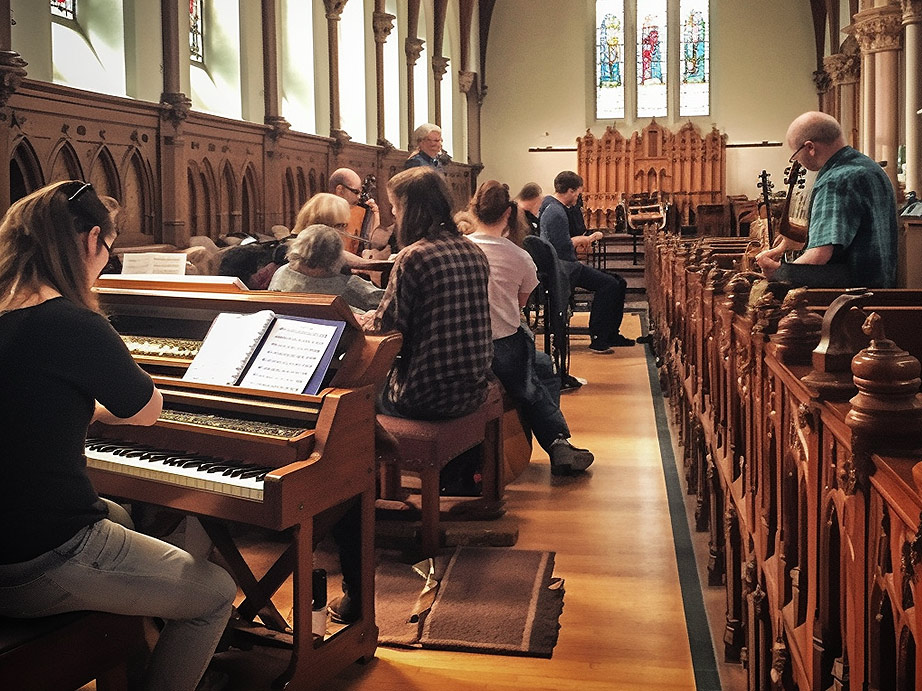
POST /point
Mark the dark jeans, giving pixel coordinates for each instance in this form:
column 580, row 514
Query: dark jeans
column 607, row 303
column 514, row 366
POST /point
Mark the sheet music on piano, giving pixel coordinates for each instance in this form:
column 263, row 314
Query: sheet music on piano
column 266, row 351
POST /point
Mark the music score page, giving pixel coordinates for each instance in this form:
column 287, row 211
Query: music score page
column 289, row 356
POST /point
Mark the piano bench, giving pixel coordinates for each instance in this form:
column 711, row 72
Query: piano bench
column 66, row 651
column 425, row 447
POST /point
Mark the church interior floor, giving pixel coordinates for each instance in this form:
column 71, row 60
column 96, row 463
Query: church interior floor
column 624, row 623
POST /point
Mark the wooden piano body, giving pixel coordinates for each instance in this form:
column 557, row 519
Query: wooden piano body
column 320, row 449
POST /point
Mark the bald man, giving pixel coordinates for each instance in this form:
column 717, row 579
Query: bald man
column 346, row 183
column 852, row 225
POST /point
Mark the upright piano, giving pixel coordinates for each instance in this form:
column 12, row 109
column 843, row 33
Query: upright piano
column 227, row 454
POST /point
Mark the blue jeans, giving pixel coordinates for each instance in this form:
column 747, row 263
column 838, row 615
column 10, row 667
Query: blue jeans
column 106, row 567
column 514, row 365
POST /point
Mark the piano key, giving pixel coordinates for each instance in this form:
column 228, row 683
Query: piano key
column 178, row 468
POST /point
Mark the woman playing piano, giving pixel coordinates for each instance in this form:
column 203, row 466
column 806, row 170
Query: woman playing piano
column 62, row 366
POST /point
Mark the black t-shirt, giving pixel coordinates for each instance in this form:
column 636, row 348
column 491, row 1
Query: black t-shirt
column 56, row 359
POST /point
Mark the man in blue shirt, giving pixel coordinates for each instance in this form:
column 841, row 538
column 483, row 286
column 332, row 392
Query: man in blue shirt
column 610, row 289
column 852, row 211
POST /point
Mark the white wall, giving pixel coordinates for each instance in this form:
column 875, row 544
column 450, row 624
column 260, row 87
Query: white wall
column 540, row 74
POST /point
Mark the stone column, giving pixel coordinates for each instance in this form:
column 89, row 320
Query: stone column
column 383, row 24
column 912, row 23
column 413, row 47
column 273, row 116
column 844, row 70
column 439, row 68
column 12, row 72
column 878, row 31
column 175, row 106
column 334, row 10
column 824, row 91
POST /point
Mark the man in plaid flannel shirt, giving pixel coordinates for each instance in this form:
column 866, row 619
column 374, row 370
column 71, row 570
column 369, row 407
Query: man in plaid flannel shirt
column 852, row 208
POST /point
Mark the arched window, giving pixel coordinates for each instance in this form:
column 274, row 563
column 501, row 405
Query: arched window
column 352, row 46
column 296, row 65
column 67, row 9
column 636, row 74
column 393, row 119
column 196, row 32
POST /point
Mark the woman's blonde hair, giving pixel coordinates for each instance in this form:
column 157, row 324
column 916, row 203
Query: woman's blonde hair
column 317, row 247
column 41, row 241
column 323, row 208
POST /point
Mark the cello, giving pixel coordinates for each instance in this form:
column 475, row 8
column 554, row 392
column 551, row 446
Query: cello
column 357, row 234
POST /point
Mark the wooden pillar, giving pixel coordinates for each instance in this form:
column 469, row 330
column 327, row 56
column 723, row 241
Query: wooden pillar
column 271, row 100
column 912, row 23
column 382, row 24
column 12, row 72
column 174, row 201
column 439, row 61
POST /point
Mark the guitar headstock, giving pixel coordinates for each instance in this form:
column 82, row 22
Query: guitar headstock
column 795, row 174
column 765, row 182
column 369, row 185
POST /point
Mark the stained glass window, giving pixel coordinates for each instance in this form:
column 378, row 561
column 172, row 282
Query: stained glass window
column 609, row 59
column 694, row 88
column 64, row 8
column 196, row 32
column 652, row 63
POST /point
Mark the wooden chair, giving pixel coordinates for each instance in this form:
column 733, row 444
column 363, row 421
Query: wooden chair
column 642, row 211
column 66, row 651
column 425, row 447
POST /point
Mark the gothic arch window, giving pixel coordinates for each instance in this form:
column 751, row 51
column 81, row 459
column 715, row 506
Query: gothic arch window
column 296, row 65
column 66, row 9
column 136, row 214
column 196, row 31
column 352, row 45
column 636, row 75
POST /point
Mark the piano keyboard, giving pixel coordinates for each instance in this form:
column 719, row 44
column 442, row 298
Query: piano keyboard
column 233, row 478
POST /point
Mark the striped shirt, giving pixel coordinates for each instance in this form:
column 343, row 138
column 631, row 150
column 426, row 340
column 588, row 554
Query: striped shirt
column 437, row 297
column 852, row 207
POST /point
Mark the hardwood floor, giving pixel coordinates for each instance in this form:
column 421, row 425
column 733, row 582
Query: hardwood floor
column 623, row 624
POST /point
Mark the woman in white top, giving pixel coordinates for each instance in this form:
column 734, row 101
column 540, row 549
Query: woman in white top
column 513, row 277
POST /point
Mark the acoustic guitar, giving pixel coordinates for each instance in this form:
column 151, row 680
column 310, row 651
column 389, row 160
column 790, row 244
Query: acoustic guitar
column 766, row 185
column 787, row 227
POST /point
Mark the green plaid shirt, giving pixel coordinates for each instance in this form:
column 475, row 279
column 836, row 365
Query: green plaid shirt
column 853, row 208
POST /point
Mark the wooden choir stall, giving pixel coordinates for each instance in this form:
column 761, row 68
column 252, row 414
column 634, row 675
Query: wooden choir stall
column 316, row 452
column 800, row 419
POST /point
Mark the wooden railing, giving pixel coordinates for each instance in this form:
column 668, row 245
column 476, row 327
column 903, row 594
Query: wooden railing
column 811, row 496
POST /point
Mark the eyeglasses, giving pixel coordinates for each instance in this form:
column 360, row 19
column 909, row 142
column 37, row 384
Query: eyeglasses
column 107, row 245
column 799, row 149
column 433, row 141
column 340, row 226
column 353, row 190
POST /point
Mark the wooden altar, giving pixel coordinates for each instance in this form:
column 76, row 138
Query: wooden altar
column 684, row 169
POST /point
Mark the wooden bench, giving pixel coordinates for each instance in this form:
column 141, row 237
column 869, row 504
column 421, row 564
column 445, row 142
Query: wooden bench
column 66, row 651
column 425, row 447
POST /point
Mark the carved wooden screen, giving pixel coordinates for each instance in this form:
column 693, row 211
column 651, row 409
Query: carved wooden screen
column 684, row 169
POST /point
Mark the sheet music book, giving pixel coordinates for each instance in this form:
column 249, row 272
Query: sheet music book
column 266, row 351
column 153, row 263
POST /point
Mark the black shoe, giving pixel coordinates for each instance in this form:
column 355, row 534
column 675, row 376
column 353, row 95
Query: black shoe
column 344, row 610
column 568, row 381
column 600, row 348
column 648, row 338
column 567, row 459
column 620, row 341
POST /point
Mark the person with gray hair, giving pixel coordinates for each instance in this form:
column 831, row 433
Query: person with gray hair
column 427, row 139
column 315, row 260
column 852, row 229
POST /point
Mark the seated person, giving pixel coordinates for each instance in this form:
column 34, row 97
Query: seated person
column 334, row 211
column 315, row 258
column 437, row 298
column 610, row 289
column 496, row 220
column 63, row 548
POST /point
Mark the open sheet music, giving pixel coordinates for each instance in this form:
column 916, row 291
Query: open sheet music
column 266, row 351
